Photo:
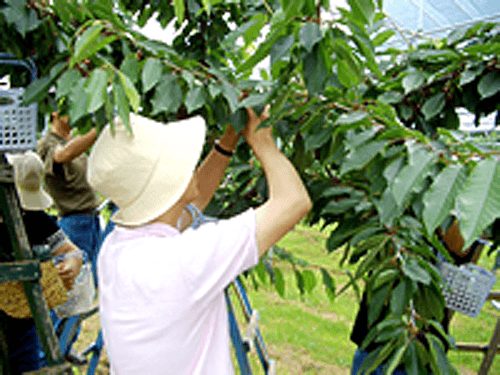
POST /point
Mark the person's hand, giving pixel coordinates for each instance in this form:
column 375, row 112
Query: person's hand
column 68, row 269
column 255, row 136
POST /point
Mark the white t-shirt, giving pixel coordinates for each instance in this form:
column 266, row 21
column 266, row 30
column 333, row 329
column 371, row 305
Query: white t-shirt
column 161, row 297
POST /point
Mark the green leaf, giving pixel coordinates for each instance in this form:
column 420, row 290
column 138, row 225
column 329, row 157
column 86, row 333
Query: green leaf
column 95, row 89
column 329, row 284
column 78, row 102
column 355, row 139
column 249, row 30
column 151, row 73
column 121, row 102
column 318, row 138
column 413, row 81
column 310, row 35
column 189, row 78
column 195, row 99
column 214, row 90
column 351, row 118
column 66, row 82
column 396, row 359
column 86, row 40
column 470, row 74
column 238, row 119
column 413, row 175
column 314, row 70
column 264, row 48
column 130, row 91
column 36, row 90
column 347, row 76
column 168, row 96
column 412, row 269
column 411, row 359
column 179, row 10
column 310, row 281
column 434, row 105
column 93, row 48
column 376, row 302
column 390, row 97
column 456, row 36
column 363, row 10
column 489, row 85
column 294, row 8
column 400, row 298
column 360, row 157
column 367, row 50
column 130, row 67
column 280, row 50
column 383, row 37
column 260, row 268
column 300, row 281
column 279, row 282
column 478, row 203
column 439, row 199
column 339, row 207
column 254, row 100
column 230, row 94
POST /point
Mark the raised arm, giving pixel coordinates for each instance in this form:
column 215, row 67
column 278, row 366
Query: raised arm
column 75, row 147
column 288, row 200
column 210, row 173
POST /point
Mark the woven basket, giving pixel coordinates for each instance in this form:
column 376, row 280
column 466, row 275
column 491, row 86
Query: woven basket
column 13, row 300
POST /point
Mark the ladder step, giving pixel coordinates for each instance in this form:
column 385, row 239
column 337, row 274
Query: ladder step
column 21, row 270
column 251, row 332
column 271, row 370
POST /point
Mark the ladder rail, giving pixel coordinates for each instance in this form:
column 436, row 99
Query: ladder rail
column 21, row 249
column 247, row 312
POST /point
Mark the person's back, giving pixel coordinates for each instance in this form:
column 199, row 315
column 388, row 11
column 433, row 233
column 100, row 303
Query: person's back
column 162, row 295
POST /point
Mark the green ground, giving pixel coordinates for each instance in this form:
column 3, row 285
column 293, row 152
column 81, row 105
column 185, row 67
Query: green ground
column 311, row 335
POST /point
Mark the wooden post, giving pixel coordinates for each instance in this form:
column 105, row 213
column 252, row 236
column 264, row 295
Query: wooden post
column 492, row 349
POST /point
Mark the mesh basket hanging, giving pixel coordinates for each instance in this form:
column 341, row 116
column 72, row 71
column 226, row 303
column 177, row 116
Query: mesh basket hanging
column 466, row 287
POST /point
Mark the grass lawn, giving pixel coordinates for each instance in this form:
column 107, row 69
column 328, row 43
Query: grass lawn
column 310, row 335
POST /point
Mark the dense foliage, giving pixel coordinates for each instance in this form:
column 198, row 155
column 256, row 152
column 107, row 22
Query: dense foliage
column 372, row 129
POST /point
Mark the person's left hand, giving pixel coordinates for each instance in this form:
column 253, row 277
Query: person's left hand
column 68, row 269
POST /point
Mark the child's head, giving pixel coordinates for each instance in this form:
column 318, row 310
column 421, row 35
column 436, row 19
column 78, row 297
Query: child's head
column 145, row 173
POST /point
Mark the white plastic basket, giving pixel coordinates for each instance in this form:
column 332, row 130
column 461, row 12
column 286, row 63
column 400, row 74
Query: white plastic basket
column 17, row 123
column 81, row 297
column 467, row 287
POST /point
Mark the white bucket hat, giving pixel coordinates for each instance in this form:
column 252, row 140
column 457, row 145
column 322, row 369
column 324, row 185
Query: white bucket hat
column 28, row 176
column 146, row 172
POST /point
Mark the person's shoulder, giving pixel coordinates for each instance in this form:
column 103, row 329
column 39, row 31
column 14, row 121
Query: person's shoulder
column 43, row 142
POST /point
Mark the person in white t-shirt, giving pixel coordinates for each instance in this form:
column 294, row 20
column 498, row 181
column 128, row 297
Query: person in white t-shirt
column 161, row 285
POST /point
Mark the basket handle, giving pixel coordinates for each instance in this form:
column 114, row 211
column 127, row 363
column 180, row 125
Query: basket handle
column 28, row 64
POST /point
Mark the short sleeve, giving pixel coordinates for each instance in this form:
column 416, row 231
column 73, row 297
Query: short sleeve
column 219, row 251
column 46, row 149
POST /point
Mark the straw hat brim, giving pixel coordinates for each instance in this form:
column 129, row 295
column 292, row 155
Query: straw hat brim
column 176, row 147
